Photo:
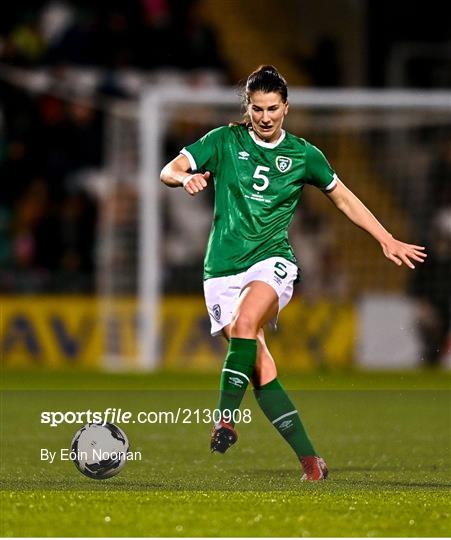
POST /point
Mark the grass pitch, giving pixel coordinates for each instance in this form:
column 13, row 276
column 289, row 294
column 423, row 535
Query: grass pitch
column 385, row 437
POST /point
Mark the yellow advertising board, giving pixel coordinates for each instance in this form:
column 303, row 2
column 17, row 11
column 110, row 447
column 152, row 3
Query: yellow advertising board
column 81, row 331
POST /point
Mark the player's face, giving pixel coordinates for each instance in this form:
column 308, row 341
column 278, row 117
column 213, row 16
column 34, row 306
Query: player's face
column 267, row 112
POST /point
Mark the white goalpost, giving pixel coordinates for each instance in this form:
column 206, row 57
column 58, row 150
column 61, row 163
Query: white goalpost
column 332, row 112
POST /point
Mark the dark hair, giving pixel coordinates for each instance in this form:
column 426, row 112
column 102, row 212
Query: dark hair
column 265, row 79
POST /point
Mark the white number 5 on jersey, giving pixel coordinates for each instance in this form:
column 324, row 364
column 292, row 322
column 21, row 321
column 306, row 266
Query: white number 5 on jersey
column 262, row 177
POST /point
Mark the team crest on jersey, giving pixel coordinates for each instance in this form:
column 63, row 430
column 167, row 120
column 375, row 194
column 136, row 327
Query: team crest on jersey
column 217, row 312
column 283, row 163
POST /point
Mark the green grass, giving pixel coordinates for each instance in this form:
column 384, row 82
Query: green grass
column 386, row 439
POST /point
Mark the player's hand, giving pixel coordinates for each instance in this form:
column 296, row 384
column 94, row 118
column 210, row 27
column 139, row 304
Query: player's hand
column 194, row 183
column 401, row 253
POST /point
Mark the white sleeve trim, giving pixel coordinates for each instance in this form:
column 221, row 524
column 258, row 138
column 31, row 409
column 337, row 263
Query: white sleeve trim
column 192, row 161
column 332, row 184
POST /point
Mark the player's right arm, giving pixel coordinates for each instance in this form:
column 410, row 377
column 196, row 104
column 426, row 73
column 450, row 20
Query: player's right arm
column 202, row 155
column 176, row 174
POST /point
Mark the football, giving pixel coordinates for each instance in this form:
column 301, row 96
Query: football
column 99, row 451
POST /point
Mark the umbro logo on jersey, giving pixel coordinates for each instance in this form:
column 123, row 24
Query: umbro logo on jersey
column 243, row 155
column 283, row 163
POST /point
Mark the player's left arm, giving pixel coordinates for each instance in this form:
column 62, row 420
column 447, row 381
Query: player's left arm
column 358, row 213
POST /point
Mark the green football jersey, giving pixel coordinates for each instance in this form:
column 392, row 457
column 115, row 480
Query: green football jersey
column 257, row 188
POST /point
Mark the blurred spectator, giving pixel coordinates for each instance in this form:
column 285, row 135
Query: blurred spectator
column 32, row 211
column 16, row 165
column 78, row 43
column 438, row 194
column 24, row 45
column 50, row 143
column 56, row 18
column 51, row 227
column 323, row 64
column 158, row 38
column 116, row 41
column 149, row 34
column 83, row 136
column 78, row 226
column 198, row 42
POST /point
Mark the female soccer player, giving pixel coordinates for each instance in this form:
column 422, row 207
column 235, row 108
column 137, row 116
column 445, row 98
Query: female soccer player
column 259, row 171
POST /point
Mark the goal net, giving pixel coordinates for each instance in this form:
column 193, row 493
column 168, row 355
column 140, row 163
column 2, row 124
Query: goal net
column 391, row 148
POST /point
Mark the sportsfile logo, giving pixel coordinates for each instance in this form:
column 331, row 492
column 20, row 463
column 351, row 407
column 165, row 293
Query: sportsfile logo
column 178, row 415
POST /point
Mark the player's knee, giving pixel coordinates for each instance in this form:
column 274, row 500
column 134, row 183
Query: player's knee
column 244, row 326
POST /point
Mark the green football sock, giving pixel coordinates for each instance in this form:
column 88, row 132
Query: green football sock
column 281, row 412
column 236, row 373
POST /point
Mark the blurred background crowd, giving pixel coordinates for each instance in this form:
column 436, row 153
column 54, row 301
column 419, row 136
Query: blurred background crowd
column 71, row 55
column 63, row 63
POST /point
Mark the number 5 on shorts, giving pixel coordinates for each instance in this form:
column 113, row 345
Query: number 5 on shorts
column 279, row 270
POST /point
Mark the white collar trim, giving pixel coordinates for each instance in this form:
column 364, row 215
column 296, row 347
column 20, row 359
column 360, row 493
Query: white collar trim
column 267, row 144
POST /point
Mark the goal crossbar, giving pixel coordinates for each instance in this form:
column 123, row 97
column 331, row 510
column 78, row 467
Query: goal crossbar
column 152, row 126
